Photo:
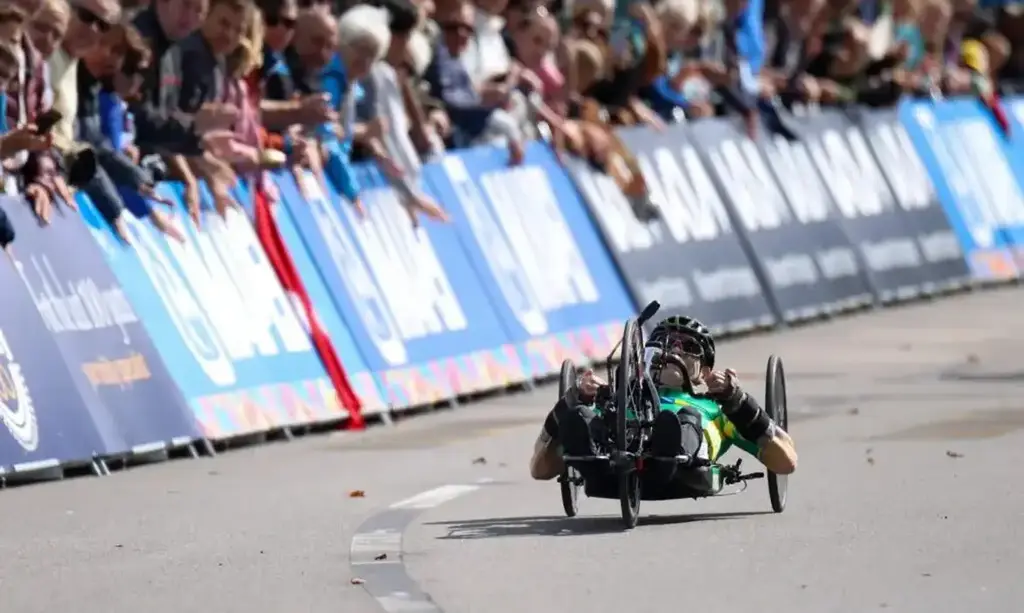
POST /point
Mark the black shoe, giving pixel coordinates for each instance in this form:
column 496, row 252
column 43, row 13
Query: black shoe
column 666, row 435
column 574, row 428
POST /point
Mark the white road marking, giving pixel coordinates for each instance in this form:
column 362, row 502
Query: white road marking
column 435, row 497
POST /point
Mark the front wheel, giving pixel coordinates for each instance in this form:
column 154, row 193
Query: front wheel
column 775, row 405
column 570, row 482
column 629, row 498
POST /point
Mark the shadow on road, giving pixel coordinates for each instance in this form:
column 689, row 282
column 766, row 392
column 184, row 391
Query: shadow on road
column 497, row 527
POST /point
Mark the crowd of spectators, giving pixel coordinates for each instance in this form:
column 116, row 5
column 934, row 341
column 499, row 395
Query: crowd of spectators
column 112, row 97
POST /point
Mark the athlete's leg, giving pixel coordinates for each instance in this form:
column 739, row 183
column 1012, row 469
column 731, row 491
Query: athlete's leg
column 676, row 432
column 573, row 429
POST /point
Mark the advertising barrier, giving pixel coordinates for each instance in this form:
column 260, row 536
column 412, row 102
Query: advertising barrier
column 417, row 311
column 973, row 180
column 804, row 258
column 218, row 315
column 689, row 258
column 46, row 422
column 359, row 375
column 945, row 267
column 109, row 348
column 868, row 211
column 536, row 252
column 98, row 331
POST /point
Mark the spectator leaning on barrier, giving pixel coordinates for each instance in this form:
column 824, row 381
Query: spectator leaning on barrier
column 474, row 119
column 30, row 94
column 98, row 70
column 17, row 140
column 89, row 20
column 308, row 58
column 384, row 105
column 204, row 96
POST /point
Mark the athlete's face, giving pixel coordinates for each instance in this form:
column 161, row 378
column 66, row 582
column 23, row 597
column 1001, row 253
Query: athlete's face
column 678, row 362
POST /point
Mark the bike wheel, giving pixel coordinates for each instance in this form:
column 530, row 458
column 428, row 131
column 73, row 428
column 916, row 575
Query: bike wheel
column 570, row 479
column 570, row 482
column 628, row 394
column 775, row 405
column 629, row 498
column 567, row 381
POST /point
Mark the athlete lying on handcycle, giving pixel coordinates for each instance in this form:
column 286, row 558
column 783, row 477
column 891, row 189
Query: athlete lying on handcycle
column 703, row 411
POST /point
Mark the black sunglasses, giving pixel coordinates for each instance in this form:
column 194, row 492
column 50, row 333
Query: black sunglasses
column 91, row 19
column 277, row 20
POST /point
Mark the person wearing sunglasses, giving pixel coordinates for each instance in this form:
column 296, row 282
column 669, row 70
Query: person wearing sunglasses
column 703, row 411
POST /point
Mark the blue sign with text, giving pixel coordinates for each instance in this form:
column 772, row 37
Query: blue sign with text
column 536, row 250
column 216, row 312
column 97, row 329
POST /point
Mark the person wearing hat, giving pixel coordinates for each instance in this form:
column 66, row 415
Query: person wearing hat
column 974, row 57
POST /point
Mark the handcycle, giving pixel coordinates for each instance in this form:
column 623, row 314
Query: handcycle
column 631, row 407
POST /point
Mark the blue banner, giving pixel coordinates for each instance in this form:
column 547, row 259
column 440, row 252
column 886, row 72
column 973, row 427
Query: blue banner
column 537, row 253
column 417, row 310
column 217, row 314
column 973, row 180
column 97, row 329
column 365, row 384
column 45, row 419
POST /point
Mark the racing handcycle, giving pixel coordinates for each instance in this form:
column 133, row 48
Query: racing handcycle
column 629, row 410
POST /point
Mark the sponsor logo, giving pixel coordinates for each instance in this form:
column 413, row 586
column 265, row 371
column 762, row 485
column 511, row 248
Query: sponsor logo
column 16, row 408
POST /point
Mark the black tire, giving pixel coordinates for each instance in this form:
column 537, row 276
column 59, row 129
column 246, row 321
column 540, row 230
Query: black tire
column 628, row 385
column 775, row 405
column 567, row 380
column 570, row 480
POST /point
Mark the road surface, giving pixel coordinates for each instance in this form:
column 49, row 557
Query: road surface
column 907, row 498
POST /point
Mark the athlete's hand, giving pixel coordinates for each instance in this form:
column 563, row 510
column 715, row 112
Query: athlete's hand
column 723, row 383
column 589, row 384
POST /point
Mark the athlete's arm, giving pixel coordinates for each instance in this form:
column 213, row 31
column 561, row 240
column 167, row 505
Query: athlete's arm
column 772, row 445
column 778, row 454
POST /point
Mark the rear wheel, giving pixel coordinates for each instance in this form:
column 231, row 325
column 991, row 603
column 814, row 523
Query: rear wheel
column 628, row 440
column 570, row 480
column 775, row 405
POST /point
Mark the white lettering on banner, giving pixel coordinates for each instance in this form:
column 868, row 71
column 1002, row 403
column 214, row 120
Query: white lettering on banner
column 200, row 337
column 529, row 214
column 791, row 269
column 672, row 292
column 837, row 262
column 870, row 175
column 16, row 408
column 941, row 246
column 891, row 254
column 519, row 293
column 78, row 305
column 978, row 216
column 257, row 284
column 845, row 178
column 403, row 261
column 902, row 166
column 243, row 309
column 621, row 227
column 691, row 208
column 353, row 272
column 796, row 175
column 754, row 194
column 726, row 283
column 991, row 170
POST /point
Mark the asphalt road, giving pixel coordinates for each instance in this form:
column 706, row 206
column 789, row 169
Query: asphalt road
column 907, row 498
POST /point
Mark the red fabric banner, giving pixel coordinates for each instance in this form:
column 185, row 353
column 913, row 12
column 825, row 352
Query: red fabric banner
column 273, row 244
